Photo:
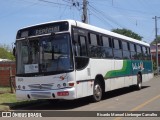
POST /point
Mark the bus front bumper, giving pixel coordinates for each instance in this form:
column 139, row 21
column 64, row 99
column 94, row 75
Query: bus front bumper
column 67, row 93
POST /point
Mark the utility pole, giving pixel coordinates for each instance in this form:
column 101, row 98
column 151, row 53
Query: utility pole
column 156, row 43
column 85, row 16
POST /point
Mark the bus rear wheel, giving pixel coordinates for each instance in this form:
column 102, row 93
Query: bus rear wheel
column 97, row 92
column 139, row 82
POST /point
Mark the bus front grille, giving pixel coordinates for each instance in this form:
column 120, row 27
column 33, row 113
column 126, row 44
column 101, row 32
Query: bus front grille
column 41, row 95
column 41, row 86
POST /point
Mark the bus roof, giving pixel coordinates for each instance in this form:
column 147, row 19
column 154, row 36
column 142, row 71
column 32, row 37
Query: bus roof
column 94, row 28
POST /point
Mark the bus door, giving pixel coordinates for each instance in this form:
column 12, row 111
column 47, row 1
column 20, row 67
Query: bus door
column 82, row 65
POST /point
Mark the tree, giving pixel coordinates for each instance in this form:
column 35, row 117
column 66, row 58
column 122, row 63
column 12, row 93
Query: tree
column 128, row 33
column 6, row 52
column 154, row 41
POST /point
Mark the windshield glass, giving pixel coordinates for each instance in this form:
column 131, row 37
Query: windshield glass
column 44, row 54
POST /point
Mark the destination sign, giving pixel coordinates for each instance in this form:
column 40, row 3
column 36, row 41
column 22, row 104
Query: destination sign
column 47, row 30
column 43, row 29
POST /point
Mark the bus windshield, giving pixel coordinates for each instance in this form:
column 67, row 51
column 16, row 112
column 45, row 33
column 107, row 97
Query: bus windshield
column 47, row 54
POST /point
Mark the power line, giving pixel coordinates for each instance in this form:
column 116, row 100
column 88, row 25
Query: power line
column 101, row 19
column 17, row 11
column 63, row 12
column 105, row 16
column 46, row 1
column 120, row 8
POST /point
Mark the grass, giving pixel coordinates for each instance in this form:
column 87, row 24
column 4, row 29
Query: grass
column 5, row 89
column 8, row 100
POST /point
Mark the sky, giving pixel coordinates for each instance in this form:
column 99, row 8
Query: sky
column 135, row 15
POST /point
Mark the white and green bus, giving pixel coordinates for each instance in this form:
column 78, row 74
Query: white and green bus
column 69, row 60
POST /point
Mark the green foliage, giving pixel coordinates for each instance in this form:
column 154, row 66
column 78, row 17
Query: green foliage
column 154, row 41
column 6, row 52
column 128, row 33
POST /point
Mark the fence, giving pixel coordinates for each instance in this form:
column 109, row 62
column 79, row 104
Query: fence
column 7, row 74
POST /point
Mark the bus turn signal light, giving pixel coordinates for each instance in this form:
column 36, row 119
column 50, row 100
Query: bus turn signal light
column 71, row 84
column 64, row 93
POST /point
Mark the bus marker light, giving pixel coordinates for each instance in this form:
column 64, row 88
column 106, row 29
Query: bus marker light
column 71, row 84
column 61, row 77
column 64, row 93
column 78, row 82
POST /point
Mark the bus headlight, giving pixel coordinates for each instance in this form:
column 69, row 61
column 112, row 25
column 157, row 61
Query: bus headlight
column 64, row 84
column 59, row 86
column 19, row 87
column 24, row 87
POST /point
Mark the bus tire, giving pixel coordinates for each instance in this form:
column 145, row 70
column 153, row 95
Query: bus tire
column 97, row 91
column 139, row 82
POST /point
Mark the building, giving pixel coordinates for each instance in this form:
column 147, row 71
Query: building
column 7, row 69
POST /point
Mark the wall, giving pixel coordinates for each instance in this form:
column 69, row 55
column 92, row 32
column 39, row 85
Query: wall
column 5, row 72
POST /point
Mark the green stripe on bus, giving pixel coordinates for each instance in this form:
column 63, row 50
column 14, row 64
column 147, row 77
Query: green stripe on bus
column 126, row 69
column 131, row 68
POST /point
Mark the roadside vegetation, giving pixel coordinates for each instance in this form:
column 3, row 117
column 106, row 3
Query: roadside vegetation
column 6, row 52
column 8, row 100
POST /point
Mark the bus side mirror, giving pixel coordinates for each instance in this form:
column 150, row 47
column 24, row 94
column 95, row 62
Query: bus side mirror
column 14, row 51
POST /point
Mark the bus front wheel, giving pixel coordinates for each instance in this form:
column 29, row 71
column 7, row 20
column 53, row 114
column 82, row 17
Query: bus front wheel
column 97, row 91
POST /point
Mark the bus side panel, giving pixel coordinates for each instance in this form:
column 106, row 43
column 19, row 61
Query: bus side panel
column 82, row 78
column 84, row 88
column 119, row 80
column 90, row 87
column 145, row 67
column 108, row 84
column 147, row 70
column 134, row 79
column 79, row 90
column 101, row 67
column 128, row 81
column 122, row 68
column 128, row 73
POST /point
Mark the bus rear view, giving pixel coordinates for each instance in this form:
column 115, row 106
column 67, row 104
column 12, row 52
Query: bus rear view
column 44, row 62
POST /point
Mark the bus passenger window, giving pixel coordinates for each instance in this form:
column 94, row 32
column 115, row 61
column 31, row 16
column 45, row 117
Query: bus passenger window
column 139, row 52
column 148, row 54
column 126, row 52
column 107, row 46
column 82, row 43
column 144, row 52
column 117, row 49
column 133, row 51
column 93, row 39
column 95, row 50
column 105, row 42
